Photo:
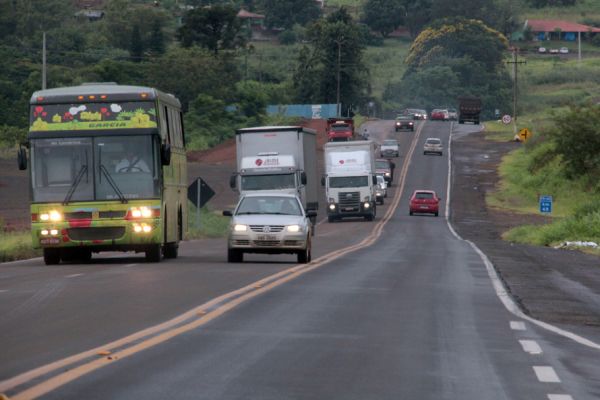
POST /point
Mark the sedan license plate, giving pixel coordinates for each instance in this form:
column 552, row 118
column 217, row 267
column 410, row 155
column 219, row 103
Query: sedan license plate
column 267, row 237
column 425, row 207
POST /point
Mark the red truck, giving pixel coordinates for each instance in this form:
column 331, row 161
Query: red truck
column 340, row 129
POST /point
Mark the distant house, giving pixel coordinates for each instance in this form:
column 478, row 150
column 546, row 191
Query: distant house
column 90, row 9
column 255, row 23
column 551, row 29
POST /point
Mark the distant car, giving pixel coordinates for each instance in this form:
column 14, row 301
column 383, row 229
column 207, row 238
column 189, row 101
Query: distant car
column 381, row 181
column 424, row 202
column 404, row 122
column 415, row 113
column 269, row 223
column 542, row 50
column 389, row 148
column 386, row 168
column 433, row 146
column 553, row 51
column 439, row 114
column 379, row 194
column 563, row 50
column 452, row 114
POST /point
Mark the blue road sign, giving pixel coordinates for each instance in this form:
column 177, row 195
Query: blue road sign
column 546, row 204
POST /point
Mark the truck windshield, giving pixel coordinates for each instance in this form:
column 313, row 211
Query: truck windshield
column 94, row 168
column 348, row 181
column 268, row 182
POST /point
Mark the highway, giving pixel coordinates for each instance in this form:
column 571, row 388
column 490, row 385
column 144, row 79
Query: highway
column 398, row 308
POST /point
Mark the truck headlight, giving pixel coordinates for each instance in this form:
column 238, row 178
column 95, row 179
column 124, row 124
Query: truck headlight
column 294, row 228
column 51, row 216
column 332, row 206
column 387, row 174
column 366, row 205
column 240, row 228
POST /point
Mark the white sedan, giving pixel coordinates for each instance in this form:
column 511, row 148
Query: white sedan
column 269, row 223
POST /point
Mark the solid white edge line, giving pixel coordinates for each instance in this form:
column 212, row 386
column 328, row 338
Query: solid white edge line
column 501, row 291
column 73, row 275
column 546, row 374
column 531, row 346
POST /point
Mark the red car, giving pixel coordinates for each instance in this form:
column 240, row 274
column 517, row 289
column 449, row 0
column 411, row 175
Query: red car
column 440, row 114
column 424, row 201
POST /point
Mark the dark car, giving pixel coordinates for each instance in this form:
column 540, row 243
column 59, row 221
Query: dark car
column 424, row 202
column 386, row 168
column 405, row 122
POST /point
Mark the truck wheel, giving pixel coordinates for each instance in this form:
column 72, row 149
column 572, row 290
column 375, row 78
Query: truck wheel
column 171, row 250
column 153, row 253
column 235, row 256
column 51, row 256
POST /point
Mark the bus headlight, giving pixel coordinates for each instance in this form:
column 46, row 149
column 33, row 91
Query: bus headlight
column 52, row 215
column 142, row 228
column 240, row 228
column 54, row 232
column 44, row 232
column 294, row 228
column 140, row 212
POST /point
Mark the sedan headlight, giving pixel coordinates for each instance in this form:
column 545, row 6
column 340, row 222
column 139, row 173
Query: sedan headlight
column 240, row 228
column 294, row 228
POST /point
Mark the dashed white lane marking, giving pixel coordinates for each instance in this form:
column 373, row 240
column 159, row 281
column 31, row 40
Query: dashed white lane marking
column 129, row 265
column 531, row 347
column 3, row 290
column 73, row 275
column 546, row 374
column 559, row 397
column 517, row 326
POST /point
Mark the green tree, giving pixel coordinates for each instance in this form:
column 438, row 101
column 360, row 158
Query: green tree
column 156, row 43
column 214, row 28
column 418, row 14
column 337, row 45
column 576, row 136
column 286, row 13
column 136, row 49
column 384, row 16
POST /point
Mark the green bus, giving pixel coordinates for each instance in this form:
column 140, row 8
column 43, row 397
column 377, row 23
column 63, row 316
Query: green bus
column 108, row 171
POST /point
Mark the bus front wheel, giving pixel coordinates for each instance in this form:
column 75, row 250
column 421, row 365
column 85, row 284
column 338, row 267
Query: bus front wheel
column 171, row 250
column 153, row 253
column 51, row 256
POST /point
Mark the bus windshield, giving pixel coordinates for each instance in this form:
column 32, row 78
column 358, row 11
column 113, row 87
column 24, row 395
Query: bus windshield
column 95, row 168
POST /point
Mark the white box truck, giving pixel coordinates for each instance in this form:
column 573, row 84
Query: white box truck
column 350, row 179
column 277, row 158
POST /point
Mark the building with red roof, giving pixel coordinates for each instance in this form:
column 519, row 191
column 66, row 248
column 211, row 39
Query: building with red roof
column 546, row 29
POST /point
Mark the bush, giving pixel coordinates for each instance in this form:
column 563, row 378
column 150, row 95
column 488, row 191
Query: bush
column 287, row 37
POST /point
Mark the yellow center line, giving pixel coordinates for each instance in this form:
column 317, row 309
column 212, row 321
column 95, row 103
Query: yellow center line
column 199, row 316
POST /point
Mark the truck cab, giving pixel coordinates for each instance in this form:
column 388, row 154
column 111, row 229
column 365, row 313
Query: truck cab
column 340, row 129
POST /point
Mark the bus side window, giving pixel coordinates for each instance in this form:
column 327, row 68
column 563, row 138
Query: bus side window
column 177, row 142
column 168, row 124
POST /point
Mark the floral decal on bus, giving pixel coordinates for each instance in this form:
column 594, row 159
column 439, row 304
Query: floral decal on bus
column 92, row 116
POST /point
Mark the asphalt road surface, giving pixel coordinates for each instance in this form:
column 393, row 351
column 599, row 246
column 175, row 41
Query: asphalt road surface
column 398, row 308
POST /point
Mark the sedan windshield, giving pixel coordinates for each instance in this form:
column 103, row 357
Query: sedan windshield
column 269, row 205
column 382, row 165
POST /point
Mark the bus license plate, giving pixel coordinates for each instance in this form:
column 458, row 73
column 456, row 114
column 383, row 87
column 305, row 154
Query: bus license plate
column 50, row 241
column 267, row 237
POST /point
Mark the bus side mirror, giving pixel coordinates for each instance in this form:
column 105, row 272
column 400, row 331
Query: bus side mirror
column 303, row 178
column 22, row 158
column 232, row 181
column 323, row 181
column 165, row 154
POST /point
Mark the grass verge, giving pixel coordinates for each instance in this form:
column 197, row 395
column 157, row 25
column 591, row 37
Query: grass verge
column 211, row 224
column 17, row 246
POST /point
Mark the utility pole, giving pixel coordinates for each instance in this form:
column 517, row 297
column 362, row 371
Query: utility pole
column 44, row 61
column 337, row 102
column 515, row 61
